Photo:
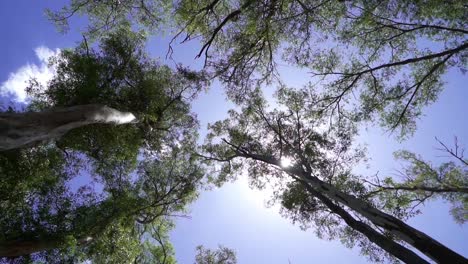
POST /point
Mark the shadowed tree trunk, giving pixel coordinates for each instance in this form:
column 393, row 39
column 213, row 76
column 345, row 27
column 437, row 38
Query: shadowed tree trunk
column 26, row 247
column 22, row 129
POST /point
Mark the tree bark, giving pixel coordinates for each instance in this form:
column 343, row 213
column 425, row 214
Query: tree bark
column 22, row 129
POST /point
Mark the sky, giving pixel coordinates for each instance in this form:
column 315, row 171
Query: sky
column 234, row 215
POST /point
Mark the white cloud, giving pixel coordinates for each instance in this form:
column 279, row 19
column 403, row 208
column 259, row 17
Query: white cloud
column 17, row 81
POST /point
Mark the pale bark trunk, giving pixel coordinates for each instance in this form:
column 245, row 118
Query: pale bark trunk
column 387, row 244
column 22, row 129
column 419, row 240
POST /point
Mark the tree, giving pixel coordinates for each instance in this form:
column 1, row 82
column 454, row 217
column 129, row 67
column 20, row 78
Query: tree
column 392, row 54
column 317, row 187
column 145, row 172
column 120, row 75
column 222, row 255
column 121, row 224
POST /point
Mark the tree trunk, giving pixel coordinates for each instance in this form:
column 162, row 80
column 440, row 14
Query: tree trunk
column 387, row 244
column 16, row 248
column 22, row 129
column 419, row 240
column 26, row 247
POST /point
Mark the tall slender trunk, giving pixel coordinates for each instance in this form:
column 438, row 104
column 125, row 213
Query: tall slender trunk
column 419, row 240
column 22, row 129
column 25, row 247
column 20, row 247
column 387, row 244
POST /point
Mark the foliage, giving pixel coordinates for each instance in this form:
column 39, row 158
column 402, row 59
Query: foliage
column 422, row 181
column 318, row 189
column 294, row 130
column 134, row 178
column 222, row 255
column 125, row 224
column 392, row 54
column 120, row 75
column 372, row 48
column 109, row 15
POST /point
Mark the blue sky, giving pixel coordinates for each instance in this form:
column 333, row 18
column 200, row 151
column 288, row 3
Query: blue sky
column 235, row 215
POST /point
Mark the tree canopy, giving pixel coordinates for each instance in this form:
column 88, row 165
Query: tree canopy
column 369, row 61
column 222, row 255
column 317, row 186
column 391, row 54
column 139, row 175
column 423, row 181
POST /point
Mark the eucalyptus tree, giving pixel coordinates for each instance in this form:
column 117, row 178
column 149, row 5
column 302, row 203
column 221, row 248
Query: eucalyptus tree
column 127, row 223
column 120, row 75
column 392, row 54
column 134, row 177
column 308, row 163
column 222, row 255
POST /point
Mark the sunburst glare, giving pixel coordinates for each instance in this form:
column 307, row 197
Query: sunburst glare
column 286, row 162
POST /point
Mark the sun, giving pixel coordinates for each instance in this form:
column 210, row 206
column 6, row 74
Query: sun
column 286, row 162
